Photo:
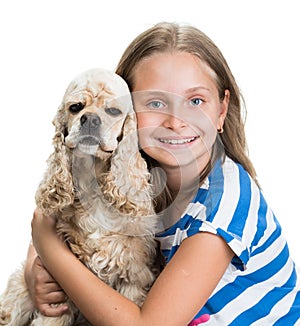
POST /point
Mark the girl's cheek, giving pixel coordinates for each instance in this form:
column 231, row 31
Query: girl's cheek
column 140, row 120
column 147, row 120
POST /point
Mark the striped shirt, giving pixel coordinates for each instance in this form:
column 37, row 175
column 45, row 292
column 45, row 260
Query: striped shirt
column 261, row 286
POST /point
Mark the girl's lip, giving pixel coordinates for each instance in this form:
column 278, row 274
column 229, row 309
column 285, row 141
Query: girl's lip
column 177, row 141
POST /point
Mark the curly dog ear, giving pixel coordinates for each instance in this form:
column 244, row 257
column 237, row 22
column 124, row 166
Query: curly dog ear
column 56, row 189
column 126, row 186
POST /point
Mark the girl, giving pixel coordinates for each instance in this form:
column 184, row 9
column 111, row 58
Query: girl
column 227, row 261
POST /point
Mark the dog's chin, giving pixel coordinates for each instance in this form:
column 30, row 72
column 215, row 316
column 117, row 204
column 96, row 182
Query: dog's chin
column 92, row 146
column 88, row 149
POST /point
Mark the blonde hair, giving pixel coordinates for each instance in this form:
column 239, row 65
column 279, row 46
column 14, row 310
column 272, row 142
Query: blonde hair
column 170, row 37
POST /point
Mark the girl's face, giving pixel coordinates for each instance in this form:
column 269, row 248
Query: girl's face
column 178, row 109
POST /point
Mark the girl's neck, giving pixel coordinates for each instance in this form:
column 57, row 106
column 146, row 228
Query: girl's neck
column 181, row 185
column 183, row 179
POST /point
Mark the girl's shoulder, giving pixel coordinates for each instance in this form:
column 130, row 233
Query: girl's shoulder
column 229, row 173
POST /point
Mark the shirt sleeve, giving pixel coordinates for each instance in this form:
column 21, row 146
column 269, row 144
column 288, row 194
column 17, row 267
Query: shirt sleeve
column 242, row 253
column 227, row 208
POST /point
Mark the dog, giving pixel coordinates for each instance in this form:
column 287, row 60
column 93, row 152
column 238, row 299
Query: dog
column 97, row 186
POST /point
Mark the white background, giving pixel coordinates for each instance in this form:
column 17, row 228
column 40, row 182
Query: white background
column 44, row 44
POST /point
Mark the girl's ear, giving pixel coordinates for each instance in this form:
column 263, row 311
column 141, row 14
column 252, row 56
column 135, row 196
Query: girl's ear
column 225, row 103
column 224, row 109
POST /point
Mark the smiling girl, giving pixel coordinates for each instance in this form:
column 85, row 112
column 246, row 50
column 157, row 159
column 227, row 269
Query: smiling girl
column 227, row 262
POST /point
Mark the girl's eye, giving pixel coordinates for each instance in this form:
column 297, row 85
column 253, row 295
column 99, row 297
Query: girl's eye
column 196, row 101
column 156, row 105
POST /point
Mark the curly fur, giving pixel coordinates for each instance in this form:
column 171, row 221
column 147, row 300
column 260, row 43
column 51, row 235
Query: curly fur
column 101, row 197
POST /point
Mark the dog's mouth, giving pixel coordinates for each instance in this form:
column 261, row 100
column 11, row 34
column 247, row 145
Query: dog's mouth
column 89, row 141
column 91, row 144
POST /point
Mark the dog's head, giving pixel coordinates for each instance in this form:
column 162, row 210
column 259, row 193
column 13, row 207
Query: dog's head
column 96, row 118
column 94, row 112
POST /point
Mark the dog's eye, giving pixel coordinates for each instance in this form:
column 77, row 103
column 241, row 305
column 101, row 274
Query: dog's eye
column 77, row 107
column 113, row 111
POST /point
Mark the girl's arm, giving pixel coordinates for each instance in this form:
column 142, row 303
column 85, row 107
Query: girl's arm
column 44, row 290
column 177, row 295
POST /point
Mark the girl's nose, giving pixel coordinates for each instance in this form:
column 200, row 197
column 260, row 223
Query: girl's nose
column 175, row 113
column 171, row 121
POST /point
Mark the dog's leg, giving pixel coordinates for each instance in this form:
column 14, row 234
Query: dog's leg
column 137, row 285
column 16, row 306
column 135, row 274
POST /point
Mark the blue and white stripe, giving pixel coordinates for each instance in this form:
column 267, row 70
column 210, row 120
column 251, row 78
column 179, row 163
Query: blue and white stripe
column 261, row 286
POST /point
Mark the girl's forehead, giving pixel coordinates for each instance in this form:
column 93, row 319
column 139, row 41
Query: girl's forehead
column 176, row 72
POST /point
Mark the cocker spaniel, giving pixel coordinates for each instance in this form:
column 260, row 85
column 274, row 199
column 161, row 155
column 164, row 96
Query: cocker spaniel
column 97, row 187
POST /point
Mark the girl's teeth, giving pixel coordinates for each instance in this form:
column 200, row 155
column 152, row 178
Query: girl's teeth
column 176, row 141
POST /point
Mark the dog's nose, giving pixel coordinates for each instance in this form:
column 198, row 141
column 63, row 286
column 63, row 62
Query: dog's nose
column 90, row 121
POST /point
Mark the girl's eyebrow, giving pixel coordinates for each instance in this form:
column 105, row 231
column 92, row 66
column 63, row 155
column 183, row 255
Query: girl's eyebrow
column 197, row 88
column 151, row 92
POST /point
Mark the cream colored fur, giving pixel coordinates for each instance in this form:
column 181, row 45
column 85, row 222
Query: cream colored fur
column 97, row 187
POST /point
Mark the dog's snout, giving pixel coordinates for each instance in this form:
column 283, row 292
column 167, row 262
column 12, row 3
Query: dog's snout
column 90, row 121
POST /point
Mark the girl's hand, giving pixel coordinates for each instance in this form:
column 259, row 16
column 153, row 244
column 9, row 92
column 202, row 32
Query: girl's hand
column 44, row 234
column 42, row 229
column 44, row 290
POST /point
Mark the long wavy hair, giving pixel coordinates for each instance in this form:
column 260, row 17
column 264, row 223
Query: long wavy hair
column 169, row 37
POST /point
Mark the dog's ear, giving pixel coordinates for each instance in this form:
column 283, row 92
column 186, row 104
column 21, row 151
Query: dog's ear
column 126, row 186
column 56, row 190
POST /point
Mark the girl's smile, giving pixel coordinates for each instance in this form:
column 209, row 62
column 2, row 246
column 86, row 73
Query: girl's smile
column 176, row 141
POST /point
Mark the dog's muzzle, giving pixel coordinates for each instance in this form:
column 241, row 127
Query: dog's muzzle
column 89, row 128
